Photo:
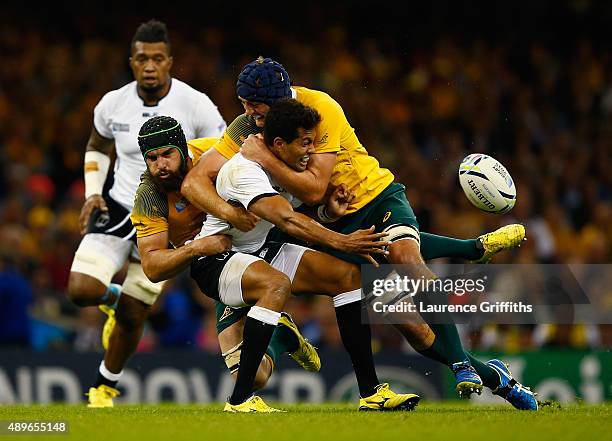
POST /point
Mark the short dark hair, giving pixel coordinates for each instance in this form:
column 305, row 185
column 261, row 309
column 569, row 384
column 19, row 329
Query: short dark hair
column 284, row 119
column 153, row 31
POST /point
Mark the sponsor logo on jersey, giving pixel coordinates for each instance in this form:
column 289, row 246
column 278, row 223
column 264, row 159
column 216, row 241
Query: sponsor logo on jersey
column 278, row 188
column 222, row 256
column 120, row 127
column 323, row 140
column 181, row 204
column 149, row 114
column 102, row 220
column 387, row 216
column 263, row 252
column 226, row 313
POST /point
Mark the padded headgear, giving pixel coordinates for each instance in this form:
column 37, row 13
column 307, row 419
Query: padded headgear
column 263, row 81
column 162, row 131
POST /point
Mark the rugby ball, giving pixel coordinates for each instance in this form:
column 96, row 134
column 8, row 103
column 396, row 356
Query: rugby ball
column 487, row 184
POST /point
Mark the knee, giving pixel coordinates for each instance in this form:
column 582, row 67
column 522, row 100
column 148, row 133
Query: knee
column 278, row 286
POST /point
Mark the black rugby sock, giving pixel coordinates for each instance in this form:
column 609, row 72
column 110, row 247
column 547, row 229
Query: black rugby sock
column 258, row 329
column 357, row 340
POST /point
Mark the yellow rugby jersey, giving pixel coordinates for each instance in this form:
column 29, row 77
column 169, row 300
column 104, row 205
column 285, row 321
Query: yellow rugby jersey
column 156, row 211
column 354, row 166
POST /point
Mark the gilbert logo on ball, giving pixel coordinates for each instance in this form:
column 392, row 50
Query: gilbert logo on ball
column 487, row 184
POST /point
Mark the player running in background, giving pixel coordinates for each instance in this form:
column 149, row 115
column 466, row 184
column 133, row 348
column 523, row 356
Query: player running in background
column 109, row 237
column 340, row 158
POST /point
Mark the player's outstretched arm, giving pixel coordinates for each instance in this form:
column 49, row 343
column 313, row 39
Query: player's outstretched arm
column 309, row 186
column 278, row 211
column 161, row 263
column 97, row 161
column 198, row 186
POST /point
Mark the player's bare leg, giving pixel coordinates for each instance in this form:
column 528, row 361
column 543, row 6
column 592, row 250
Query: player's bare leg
column 130, row 320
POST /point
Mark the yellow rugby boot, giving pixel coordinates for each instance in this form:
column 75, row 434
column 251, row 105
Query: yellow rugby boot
column 504, row 238
column 385, row 399
column 101, row 396
column 253, row 405
column 109, row 324
column 306, row 354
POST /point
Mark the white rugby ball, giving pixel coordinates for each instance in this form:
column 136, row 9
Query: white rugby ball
column 487, row 183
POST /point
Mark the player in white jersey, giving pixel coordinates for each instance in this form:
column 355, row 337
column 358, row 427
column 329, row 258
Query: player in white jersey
column 261, row 273
column 109, row 239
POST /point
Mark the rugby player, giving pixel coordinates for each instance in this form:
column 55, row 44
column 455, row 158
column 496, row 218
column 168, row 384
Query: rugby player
column 109, row 237
column 340, row 158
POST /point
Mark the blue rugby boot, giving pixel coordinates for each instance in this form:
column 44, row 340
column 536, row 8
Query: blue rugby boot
column 511, row 390
column 467, row 379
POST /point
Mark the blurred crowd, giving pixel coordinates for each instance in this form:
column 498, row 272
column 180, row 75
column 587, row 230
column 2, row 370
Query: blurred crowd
column 544, row 112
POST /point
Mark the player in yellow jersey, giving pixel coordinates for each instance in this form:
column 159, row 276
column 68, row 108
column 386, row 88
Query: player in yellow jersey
column 341, row 159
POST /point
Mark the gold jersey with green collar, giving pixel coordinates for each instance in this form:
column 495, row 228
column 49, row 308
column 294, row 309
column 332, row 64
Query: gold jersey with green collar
column 354, row 166
column 156, row 211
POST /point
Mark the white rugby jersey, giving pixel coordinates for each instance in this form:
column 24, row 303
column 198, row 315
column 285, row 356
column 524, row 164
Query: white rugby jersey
column 241, row 181
column 121, row 113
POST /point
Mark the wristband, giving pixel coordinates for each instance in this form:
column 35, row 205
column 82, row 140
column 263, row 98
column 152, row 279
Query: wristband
column 96, row 169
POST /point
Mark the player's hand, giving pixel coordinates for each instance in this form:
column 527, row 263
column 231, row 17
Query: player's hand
column 339, row 201
column 210, row 245
column 242, row 219
column 365, row 243
column 93, row 202
column 254, row 149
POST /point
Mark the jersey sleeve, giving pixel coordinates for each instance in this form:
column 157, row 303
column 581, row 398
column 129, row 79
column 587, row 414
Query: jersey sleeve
column 150, row 213
column 102, row 122
column 199, row 146
column 208, row 121
column 234, row 135
column 329, row 130
column 248, row 183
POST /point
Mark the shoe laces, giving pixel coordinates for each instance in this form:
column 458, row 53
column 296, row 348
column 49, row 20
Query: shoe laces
column 383, row 389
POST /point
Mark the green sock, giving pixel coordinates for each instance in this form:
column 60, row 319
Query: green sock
column 283, row 340
column 449, row 342
column 490, row 377
column 434, row 246
column 435, row 352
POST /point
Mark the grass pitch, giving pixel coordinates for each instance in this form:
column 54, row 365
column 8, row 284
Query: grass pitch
column 334, row 422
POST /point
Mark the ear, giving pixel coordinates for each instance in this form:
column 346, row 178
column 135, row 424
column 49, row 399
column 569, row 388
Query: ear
column 170, row 61
column 279, row 143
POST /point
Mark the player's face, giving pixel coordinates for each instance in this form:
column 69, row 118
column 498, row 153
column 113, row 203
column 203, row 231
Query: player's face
column 165, row 166
column 151, row 63
column 256, row 110
column 296, row 154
